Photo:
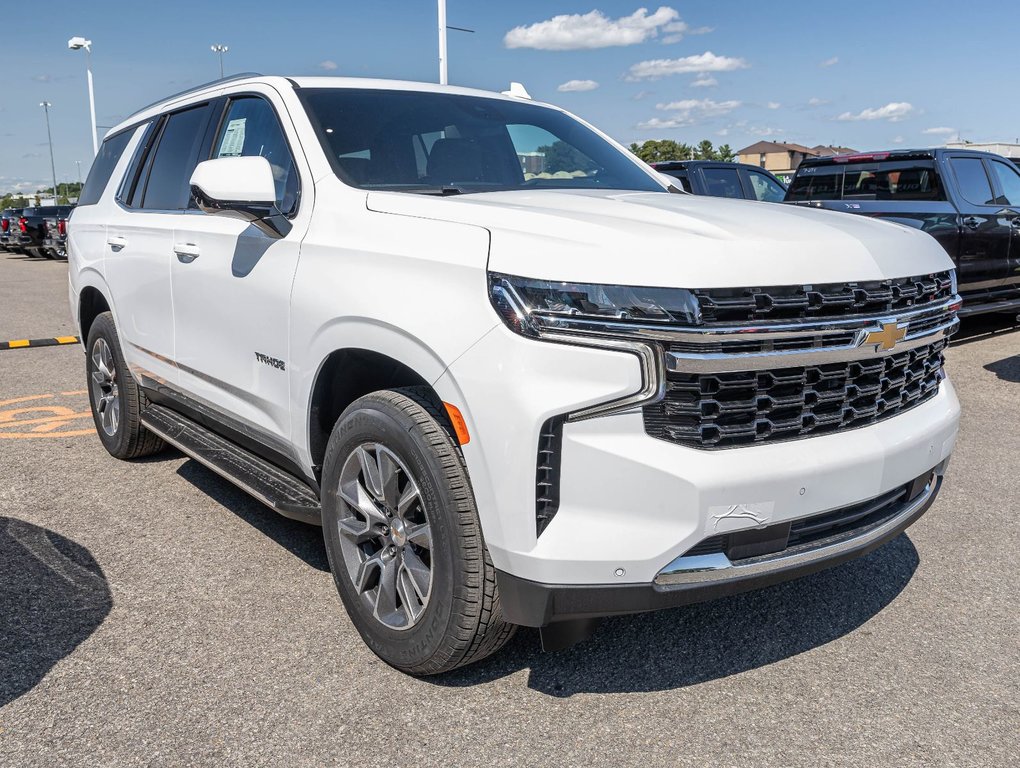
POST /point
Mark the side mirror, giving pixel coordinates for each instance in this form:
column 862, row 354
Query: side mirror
column 242, row 188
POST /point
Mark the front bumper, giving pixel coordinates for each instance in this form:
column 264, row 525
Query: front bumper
column 699, row 578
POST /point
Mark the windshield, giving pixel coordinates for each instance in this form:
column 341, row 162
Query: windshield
column 447, row 143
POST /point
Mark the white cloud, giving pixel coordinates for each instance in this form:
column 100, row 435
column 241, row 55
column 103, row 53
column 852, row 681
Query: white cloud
column 327, row 65
column 723, row 132
column 698, row 108
column 576, row 31
column 657, row 124
column 702, row 62
column 938, row 131
column 814, row 101
column 704, row 81
column 773, row 105
column 829, row 62
column 894, row 112
column 577, row 85
column 898, row 140
column 642, row 95
column 700, row 30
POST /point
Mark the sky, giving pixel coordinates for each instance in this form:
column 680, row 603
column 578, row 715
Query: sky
column 868, row 75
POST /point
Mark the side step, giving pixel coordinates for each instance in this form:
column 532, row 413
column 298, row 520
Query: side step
column 272, row 486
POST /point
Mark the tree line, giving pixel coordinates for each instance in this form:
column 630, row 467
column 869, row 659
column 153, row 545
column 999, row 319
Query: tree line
column 66, row 191
column 661, row 150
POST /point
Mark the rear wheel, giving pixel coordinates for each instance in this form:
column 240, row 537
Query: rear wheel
column 116, row 400
column 403, row 536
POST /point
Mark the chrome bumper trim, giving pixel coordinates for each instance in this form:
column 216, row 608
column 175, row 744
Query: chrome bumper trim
column 717, row 567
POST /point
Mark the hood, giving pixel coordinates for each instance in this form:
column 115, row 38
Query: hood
column 660, row 239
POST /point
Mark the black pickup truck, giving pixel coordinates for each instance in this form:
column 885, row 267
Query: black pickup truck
column 968, row 201
column 721, row 179
column 34, row 236
column 9, row 230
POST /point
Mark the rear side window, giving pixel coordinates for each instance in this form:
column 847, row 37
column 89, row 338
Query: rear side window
column 973, row 181
column 915, row 180
column 251, row 129
column 723, row 182
column 167, row 187
column 823, row 182
column 680, row 176
column 1009, row 181
column 102, row 168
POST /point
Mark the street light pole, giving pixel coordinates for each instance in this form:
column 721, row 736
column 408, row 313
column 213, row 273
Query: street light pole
column 76, row 44
column 442, row 42
column 53, row 166
column 78, row 163
column 220, row 49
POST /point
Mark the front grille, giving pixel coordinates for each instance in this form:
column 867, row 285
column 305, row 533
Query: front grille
column 726, row 410
column 841, row 523
column 829, row 300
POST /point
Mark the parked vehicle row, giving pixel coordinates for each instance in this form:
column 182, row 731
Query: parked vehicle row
column 508, row 399
column 722, row 179
column 40, row 231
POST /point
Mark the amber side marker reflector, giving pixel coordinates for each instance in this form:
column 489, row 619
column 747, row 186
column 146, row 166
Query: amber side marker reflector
column 459, row 426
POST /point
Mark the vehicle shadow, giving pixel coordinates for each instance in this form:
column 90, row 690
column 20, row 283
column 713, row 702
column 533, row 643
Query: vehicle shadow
column 1007, row 369
column 698, row 643
column 53, row 595
column 300, row 539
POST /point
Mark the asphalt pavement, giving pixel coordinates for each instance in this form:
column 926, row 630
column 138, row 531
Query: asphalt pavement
column 151, row 614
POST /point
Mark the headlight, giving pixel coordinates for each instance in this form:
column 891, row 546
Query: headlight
column 531, row 307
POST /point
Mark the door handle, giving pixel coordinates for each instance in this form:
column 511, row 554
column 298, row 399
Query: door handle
column 186, row 252
column 972, row 222
column 116, row 242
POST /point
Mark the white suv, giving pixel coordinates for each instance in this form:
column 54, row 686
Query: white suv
column 516, row 378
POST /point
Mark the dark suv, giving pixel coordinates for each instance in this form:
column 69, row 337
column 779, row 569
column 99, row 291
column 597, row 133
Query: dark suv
column 722, row 179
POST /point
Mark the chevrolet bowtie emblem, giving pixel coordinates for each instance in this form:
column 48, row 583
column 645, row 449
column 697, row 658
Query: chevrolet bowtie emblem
column 887, row 337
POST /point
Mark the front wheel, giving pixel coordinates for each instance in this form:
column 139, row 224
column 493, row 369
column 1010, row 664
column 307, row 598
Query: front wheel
column 403, row 538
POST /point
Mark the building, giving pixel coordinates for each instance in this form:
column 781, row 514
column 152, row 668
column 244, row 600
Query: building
column 998, row 147
column 783, row 158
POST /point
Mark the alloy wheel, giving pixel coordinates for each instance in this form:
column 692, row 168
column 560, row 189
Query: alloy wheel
column 104, row 387
column 385, row 536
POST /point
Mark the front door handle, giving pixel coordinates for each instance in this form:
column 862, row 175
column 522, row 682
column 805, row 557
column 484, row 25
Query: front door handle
column 972, row 222
column 116, row 242
column 186, row 252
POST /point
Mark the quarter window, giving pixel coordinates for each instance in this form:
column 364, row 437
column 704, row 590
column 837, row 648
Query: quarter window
column 102, row 168
column 251, row 129
column 973, row 181
column 167, row 187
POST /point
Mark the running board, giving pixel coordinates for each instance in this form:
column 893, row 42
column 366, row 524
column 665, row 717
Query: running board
column 272, row 486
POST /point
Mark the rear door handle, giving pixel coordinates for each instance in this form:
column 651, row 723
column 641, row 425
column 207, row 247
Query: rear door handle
column 972, row 222
column 186, row 252
column 116, row 242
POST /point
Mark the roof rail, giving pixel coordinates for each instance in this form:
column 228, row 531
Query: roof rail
column 195, row 89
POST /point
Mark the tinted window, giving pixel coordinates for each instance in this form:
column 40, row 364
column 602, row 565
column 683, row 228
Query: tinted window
column 251, row 129
column 722, row 182
column 821, row 182
column 911, row 180
column 1009, row 181
column 414, row 141
column 102, row 168
column 765, row 188
column 680, row 176
column 167, row 187
column 970, row 175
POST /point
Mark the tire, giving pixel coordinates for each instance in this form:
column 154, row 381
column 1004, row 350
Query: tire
column 116, row 400
column 419, row 623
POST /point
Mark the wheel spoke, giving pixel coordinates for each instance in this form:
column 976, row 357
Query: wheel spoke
column 98, row 378
column 356, row 530
column 388, row 476
column 412, row 602
column 355, row 494
column 370, row 470
column 407, row 499
column 365, row 571
column 386, row 595
column 418, row 573
column 420, row 535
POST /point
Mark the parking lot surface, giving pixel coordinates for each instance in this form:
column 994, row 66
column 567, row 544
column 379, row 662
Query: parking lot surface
column 151, row 614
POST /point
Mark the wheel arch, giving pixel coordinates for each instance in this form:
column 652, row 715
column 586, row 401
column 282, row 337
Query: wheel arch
column 91, row 303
